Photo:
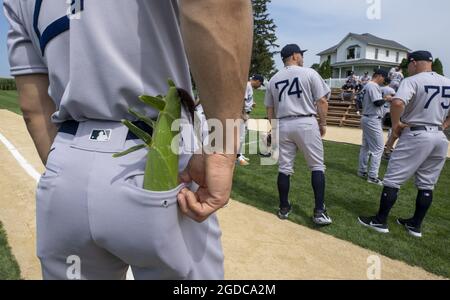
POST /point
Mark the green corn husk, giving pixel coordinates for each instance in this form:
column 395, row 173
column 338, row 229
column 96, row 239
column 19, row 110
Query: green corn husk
column 161, row 171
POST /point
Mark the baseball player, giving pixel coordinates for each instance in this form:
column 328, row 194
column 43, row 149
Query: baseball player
column 78, row 68
column 420, row 113
column 371, row 123
column 396, row 78
column 255, row 83
column 294, row 96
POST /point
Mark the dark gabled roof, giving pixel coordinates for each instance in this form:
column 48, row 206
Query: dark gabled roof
column 329, row 50
column 369, row 39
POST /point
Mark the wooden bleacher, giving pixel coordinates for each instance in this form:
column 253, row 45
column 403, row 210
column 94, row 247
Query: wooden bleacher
column 342, row 113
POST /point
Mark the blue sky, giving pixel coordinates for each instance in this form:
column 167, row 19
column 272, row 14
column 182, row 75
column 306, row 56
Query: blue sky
column 318, row 24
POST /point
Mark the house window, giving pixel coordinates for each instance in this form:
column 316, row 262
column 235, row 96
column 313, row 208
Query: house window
column 354, row 52
column 329, row 58
column 397, row 57
column 376, row 53
column 387, row 53
column 351, row 53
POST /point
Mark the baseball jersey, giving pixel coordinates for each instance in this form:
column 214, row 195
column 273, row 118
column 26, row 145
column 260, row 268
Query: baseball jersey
column 387, row 91
column 100, row 55
column 427, row 99
column 294, row 91
column 248, row 97
column 372, row 93
column 396, row 78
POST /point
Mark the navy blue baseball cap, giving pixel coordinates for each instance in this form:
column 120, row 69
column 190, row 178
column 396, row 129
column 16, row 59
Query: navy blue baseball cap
column 258, row 77
column 381, row 72
column 420, row 56
column 290, row 50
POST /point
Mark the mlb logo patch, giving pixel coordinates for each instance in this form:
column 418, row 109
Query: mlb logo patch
column 100, row 135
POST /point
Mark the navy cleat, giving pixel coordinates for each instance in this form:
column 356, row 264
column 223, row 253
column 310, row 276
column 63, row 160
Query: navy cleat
column 284, row 212
column 321, row 218
column 372, row 222
column 410, row 227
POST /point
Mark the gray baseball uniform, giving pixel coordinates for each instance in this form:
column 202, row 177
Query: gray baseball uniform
column 90, row 205
column 293, row 93
column 248, row 107
column 387, row 91
column 421, row 152
column 249, row 98
column 371, row 123
column 396, row 79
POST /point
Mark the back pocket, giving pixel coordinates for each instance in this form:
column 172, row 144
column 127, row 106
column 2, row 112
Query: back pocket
column 148, row 233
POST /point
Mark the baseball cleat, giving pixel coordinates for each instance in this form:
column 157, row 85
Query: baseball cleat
column 242, row 162
column 321, row 218
column 373, row 223
column 362, row 174
column 266, row 155
column 284, row 212
column 245, row 158
column 376, row 181
column 412, row 230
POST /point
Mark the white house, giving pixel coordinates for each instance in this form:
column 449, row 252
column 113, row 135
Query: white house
column 362, row 53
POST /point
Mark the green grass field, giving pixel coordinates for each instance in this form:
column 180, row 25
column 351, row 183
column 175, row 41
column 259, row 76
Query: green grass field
column 347, row 197
column 9, row 269
column 8, row 100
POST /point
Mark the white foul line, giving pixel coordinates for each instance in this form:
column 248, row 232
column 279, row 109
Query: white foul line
column 20, row 159
column 32, row 172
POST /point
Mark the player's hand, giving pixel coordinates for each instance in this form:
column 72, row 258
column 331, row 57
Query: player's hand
column 446, row 125
column 397, row 129
column 323, row 130
column 214, row 174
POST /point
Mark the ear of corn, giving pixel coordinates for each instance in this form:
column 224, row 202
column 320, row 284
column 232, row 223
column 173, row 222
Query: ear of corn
column 161, row 171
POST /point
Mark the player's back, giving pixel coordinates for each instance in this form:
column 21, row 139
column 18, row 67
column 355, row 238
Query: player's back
column 294, row 91
column 101, row 56
column 427, row 96
column 370, row 94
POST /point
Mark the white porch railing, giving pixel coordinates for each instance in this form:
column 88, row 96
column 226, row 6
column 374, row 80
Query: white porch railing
column 335, row 82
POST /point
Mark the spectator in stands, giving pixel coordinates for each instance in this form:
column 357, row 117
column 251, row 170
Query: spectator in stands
column 365, row 79
column 348, row 91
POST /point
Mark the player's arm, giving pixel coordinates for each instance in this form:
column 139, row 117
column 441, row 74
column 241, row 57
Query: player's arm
column 270, row 114
column 397, row 109
column 32, row 82
column 37, row 108
column 446, row 124
column 218, row 39
column 322, row 111
column 321, row 92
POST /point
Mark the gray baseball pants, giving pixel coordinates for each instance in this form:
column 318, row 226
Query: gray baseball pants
column 418, row 153
column 300, row 134
column 372, row 146
column 94, row 219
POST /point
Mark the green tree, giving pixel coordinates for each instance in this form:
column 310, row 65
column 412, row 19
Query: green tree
column 404, row 67
column 325, row 70
column 264, row 40
column 315, row 67
column 437, row 66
